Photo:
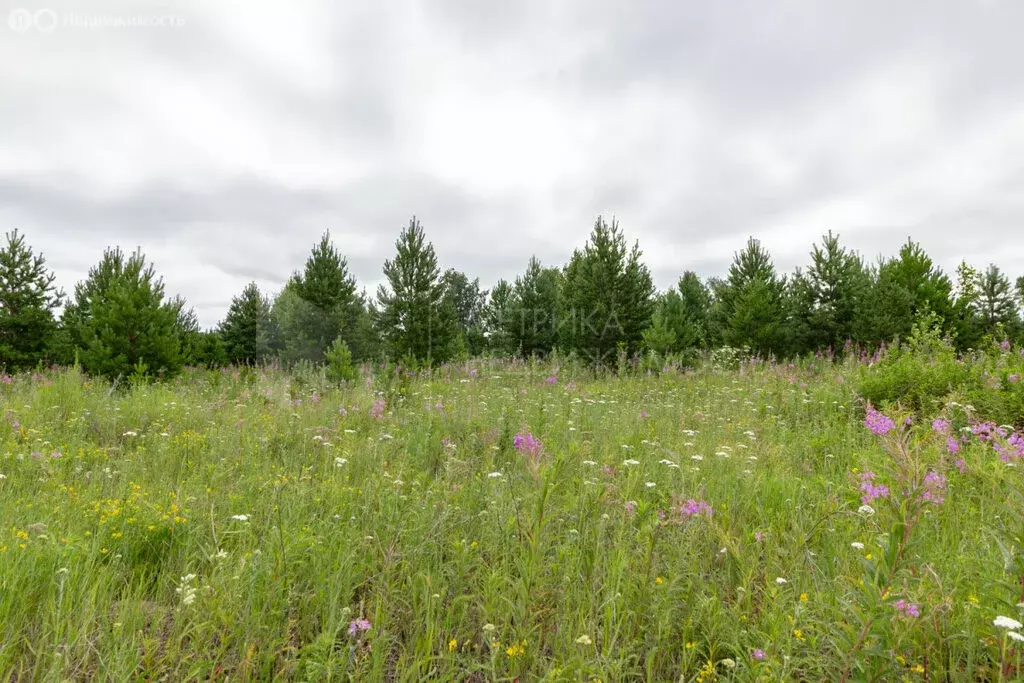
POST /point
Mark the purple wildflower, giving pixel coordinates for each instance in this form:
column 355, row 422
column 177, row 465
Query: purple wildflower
column 1005, row 345
column 692, row 508
column 527, row 443
column 358, row 626
column 934, row 488
column 1013, row 379
column 552, row 380
column 878, row 423
column 941, row 426
column 758, row 654
column 952, row 445
column 759, row 536
column 962, row 466
column 377, row 410
column 907, row 609
column 870, row 489
column 630, row 507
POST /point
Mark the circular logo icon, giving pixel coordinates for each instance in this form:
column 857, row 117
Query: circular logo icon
column 45, row 20
column 20, row 19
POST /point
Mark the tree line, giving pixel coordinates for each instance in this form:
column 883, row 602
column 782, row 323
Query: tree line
column 600, row 306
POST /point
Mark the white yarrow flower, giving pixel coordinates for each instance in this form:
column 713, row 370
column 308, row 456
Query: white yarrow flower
column 1007, row 623
column 857, row 545
column 781, row 581
column 1015, row 636
column 240, row 518
column 494, row 475
column 866, row 510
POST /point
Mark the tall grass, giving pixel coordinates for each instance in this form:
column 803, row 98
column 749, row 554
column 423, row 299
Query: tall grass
column 252, row 525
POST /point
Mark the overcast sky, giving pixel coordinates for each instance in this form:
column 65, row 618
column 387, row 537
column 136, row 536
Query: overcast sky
column 226, row 139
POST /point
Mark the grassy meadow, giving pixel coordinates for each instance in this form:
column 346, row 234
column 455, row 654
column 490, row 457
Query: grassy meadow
column 495, row 521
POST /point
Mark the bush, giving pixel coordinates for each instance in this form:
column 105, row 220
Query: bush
column 920, row 373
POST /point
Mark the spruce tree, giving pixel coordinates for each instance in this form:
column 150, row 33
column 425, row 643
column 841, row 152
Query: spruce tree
column 413, row 317
column 694, row 329
column 245, row 330
column 908, row 286
column 120, row 321
column 608, row 299
column 28, row 298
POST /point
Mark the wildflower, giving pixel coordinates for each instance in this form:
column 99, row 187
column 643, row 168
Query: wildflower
column 728, row 663
column 907, row 609
column 798, row 634
column 452, row 644
column 340, row 462
column 489, row 628
column 494, row 475
column 650, row 484
column 130, row 434
column 759, row 536
column 692, row 508
column 1015, row 636
column 551, row 380
column 952, row 445
column 803, row 597
column 878, row 423
column 658, row 580
column 240, row 518
column 781, row 581
column 515, row 650
column 1007, row 623
column 630, row 462
column 866, row 510
column 758, row 654
column 584, row 640
column 630, row 507
column 358, row 626
column 526, row 442
column 934, row 488
column 870, row 489
column 941, row 426
column 857, row 545
column 377, row 409
column 589, row 463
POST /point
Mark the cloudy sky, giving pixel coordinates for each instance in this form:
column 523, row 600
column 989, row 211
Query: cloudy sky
column 225, row 137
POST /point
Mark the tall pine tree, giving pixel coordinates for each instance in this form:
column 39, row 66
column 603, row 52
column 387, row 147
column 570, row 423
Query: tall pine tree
column 120, row 321
column 246, row 330
column 608, row 300
column 28, row 298
column 752, row 303
column 415, row 320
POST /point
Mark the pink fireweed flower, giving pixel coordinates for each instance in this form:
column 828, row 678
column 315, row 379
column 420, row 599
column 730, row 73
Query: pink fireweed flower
column 878, row 423
column 870, row 490
column 527, row 443
column 692, row 508
column 377, row 410
column 962, row 466
column 630, row 507
column 952, row 445
column 552, row 380
column 934, row 488
column 941, row 426
column 358, row 626
column 907, row 609
column 1013, row 379
column 758, row 654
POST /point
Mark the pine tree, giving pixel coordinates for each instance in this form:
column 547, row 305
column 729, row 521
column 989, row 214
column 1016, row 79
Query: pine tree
column 694, row 330
column 828, row 298
column 120, row 321
column 245, row 330
column 908, row 286
column 333, row 309
column 534, row 310
column 496, row 316
column 995, row 303
column 752, row 303
column 28, row 298
column 414, row 319
column 608, row 299
column 468, row 300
